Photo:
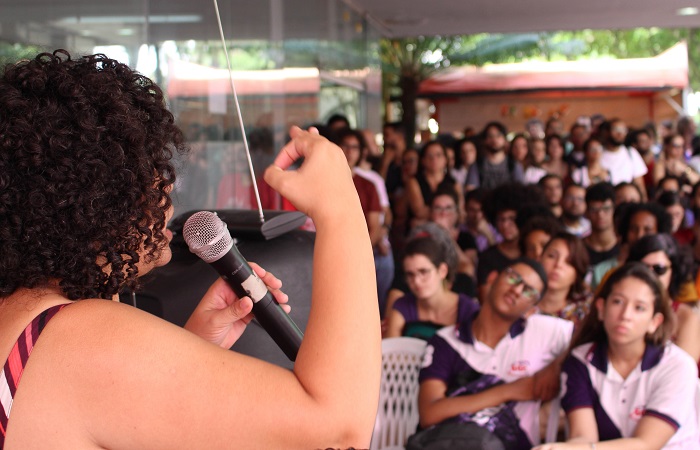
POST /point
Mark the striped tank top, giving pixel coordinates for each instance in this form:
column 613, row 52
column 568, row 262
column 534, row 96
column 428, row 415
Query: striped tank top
column 14, row 366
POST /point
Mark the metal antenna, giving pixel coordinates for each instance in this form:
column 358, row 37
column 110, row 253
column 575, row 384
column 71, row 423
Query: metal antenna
column 240, row 116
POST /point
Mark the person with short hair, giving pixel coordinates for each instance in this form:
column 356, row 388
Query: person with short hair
column 600, row 209
column 573, row 211
column 484, row 372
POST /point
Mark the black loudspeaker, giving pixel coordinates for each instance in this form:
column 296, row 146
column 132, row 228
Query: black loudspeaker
column 173, row 291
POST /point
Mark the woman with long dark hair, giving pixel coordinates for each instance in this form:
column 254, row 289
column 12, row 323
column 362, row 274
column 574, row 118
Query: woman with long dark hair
column 673, row 265
column 626, row 385
column 565, row 260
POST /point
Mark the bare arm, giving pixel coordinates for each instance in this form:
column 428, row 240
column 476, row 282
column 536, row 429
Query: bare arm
column 688, row 334
column 434, row 406
column 651, row 434
column 111, row 376
column 416, row 201
column 375, row 228
column 395, row 324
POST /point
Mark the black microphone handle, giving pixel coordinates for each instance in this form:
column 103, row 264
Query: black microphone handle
column 245, row 283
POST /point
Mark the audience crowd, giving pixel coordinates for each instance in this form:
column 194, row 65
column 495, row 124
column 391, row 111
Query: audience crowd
column 493, row 230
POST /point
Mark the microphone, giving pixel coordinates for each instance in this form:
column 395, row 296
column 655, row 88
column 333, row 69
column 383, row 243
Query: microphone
column 208, row 237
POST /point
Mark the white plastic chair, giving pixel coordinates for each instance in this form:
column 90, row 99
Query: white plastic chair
column 397, row 415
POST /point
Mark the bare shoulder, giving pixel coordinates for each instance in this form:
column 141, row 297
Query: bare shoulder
column 108, row 375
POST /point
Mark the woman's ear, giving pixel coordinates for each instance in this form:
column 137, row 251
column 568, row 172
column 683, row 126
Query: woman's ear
column 600, row 306
column 656, row 322
column 443, row 270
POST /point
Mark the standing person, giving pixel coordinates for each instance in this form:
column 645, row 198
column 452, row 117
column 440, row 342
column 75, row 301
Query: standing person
column 624, row 163
column 486, row 372
column 85, row 204
column 495, row 167
column 355, row 148
column 626, row 385
column 430, row 304
column 432, row 177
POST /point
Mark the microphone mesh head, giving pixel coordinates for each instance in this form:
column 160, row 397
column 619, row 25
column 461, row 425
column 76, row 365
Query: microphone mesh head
column 207, row 236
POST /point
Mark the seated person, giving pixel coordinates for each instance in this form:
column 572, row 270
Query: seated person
column 536, row 232
column 625, row 383
column 565, row 261
column 484, row 371
column 430, row 305
column 673, row 265
column 444, row 211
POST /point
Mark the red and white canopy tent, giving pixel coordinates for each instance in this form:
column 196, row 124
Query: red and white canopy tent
column 638, row 90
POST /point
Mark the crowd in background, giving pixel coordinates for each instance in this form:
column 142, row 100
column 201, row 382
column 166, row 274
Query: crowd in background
column 451, row 218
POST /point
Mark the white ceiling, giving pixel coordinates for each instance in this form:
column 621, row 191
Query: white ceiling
column 303, row 19
column 402, row 18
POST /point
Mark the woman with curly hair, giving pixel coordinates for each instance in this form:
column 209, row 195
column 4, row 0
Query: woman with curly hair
column 85, row 176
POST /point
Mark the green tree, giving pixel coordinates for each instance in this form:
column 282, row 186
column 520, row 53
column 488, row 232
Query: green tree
column 405, row 64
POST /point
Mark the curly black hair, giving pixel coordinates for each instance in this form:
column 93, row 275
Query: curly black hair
column 85, row 174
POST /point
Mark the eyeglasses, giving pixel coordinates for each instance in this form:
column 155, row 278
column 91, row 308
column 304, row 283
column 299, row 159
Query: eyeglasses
column 513, row 278
column 418, row 274
column 659, row 269
column 575, row 198
column 604, row 208
column 444, row 209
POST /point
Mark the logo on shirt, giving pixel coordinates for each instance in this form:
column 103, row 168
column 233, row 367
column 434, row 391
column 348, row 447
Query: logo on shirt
column 428, row 356
column 637, row 412
column 519, row 367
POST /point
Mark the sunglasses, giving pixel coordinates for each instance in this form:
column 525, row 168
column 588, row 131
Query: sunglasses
column 513, row 278
column 659, row 269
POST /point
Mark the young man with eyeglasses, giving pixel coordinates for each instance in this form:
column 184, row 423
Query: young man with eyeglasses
column 493, row 369
column 601, row 243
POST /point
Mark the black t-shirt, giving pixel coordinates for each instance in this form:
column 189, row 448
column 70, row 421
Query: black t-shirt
column 466, row 241
column 596, row 257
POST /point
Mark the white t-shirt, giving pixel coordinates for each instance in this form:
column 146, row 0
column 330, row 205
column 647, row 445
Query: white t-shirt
column 624, row 164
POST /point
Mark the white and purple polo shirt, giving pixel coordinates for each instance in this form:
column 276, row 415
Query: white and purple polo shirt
column 664, row 385
column 468, row 366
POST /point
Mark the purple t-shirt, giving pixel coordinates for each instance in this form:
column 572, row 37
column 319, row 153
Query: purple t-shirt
column 414, row 327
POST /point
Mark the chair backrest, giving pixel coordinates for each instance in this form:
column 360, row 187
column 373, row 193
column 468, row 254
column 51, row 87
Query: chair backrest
column 397, row 415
